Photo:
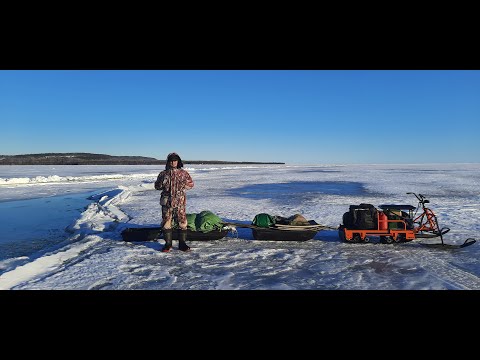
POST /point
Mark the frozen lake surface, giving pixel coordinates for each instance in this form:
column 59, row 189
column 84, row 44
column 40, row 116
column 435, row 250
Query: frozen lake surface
column 65, row 238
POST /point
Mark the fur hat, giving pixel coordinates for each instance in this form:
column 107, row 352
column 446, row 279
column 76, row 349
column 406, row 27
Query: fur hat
column 172, row 157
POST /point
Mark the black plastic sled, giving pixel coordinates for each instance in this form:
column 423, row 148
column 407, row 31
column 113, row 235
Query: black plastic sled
column 281, row 232
column 141, row 234
column 282, row 235
column 154, row 233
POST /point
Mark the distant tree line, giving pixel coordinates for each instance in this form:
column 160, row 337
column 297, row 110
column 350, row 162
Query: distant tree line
column 100, row 159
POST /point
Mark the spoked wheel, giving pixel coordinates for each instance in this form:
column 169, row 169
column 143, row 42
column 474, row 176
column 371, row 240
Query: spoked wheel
column 401, row 238
column 386, row 239
column 356, row 238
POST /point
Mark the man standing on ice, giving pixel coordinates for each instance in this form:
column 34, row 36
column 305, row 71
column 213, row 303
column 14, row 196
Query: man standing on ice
column 174, row 182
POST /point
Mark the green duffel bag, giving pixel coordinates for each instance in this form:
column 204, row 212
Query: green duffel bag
column 191, row 222
column 263, row 220
column 206, row 221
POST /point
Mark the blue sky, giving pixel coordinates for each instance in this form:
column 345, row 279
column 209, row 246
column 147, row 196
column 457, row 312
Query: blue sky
column 292, row 116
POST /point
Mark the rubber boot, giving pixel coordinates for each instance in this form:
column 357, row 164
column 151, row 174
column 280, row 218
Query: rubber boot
column 167, row 236
column 182, row 237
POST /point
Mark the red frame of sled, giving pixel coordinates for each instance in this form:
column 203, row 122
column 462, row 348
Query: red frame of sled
column 406, row 235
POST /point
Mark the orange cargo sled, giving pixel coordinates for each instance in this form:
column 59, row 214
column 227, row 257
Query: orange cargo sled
column 394, row 224
column 389, row 230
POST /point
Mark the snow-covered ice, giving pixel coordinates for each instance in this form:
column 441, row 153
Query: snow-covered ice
column 93, row 255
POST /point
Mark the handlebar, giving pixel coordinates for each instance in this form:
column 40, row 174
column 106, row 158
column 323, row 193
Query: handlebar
column 421, row 198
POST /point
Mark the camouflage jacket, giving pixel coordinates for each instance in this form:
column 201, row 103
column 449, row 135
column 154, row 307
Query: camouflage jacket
column 173, row 183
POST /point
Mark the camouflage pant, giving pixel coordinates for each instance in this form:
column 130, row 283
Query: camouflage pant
column 168, row 213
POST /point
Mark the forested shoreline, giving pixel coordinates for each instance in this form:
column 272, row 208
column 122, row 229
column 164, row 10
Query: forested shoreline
column 101, row 159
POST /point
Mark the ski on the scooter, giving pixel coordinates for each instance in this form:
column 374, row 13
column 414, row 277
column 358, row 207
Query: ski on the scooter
column 468, row 242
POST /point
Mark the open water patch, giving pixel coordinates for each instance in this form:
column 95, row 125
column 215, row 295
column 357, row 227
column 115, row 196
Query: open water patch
column 298, row 189
column 32, row 225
